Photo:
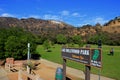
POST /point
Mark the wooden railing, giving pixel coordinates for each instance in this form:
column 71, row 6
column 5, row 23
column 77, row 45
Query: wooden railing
column 28, row 75
column 9, row 67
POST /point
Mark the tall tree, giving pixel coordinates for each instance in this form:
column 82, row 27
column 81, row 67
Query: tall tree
column 61, row 39
column 11, row 46
column 46, row 45
column 13, row 43
column 77, row 40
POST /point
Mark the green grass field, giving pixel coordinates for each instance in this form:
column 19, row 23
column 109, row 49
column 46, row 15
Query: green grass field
column 110, row 64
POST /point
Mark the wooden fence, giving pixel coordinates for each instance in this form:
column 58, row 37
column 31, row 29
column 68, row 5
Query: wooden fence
column 28, row 75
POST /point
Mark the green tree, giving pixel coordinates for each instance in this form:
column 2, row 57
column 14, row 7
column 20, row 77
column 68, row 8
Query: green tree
column 13, row 43
column 3, row 38
column 78, row 40
column 61, row 39
column 101, row 36
column 46, row 45
column 93, row 39
column 11, row 46
column 1, row 49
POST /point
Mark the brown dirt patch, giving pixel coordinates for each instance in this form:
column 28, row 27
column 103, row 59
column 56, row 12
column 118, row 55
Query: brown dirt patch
column 45, row 72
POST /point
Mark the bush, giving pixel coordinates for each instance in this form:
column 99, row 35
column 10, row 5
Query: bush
column 13, row 43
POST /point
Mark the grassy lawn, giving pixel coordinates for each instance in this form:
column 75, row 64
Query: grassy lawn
column 110, row 67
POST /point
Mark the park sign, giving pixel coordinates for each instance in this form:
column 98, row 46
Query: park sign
column 77, row 54
column 96, row 58
column 91, row 57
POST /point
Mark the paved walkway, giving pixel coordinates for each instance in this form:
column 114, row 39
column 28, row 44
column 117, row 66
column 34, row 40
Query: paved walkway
column 74, row 72
column 3, row 74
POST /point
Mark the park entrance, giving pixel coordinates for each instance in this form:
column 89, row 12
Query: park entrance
column 89, row 57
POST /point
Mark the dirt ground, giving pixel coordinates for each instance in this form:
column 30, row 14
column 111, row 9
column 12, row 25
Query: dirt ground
column 45, row 72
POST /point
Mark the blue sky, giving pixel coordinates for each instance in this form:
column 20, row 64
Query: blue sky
column 74, row 12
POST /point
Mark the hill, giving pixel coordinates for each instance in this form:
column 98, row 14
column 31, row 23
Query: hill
column 113, row 26
column 39, row 25
column 33, row 25
column 50, row 28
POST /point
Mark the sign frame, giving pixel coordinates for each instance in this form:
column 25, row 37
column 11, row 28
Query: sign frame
column 79, row 56
column 75, row 55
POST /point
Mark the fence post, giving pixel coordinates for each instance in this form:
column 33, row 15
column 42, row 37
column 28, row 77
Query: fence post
column 37, row 77
column 29, row 72
column 19, row 75
column 6, row 66
column 29, row 76
column 9, row 67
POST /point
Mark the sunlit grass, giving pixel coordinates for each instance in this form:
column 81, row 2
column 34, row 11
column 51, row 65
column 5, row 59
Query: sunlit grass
column 110, row 64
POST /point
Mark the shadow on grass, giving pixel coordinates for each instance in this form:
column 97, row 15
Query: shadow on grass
column 36, row 56
column 49, row 50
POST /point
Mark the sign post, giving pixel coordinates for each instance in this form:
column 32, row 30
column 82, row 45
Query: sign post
column 99, row 46
column 28, row 56
column 28, row 61
column 87, row 68
column 64, row 69
column 87, row 72
column 87, row 56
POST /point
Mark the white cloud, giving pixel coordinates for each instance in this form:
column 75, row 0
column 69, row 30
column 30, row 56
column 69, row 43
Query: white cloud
column 75, row 14
column 23, row 17
column 7, row 15
column 65, row 13
column 78, row 25
column 49, row 16
column 35, row 16
column 99, row 20
column 93, row 21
